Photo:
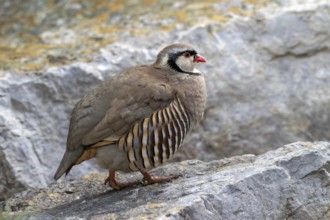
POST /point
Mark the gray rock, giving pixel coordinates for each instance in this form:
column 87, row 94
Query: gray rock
column 267, row 78
column 34, row 121
column 291, row 182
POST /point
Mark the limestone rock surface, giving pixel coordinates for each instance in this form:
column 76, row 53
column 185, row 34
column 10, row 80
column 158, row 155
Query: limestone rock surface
column 291, row 182
column 268, row 74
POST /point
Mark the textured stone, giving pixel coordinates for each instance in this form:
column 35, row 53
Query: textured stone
column 34, row 119
column 267, row 78
column 37, row 33
column 291, row 182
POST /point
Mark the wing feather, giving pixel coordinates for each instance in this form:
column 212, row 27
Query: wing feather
column 109, row 111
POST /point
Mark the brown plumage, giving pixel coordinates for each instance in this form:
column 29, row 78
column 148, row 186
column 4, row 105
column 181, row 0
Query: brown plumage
column 138, row 119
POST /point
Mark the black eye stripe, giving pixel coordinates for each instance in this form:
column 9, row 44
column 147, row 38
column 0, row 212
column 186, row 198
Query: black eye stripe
column 191, row 52
column 174, row 56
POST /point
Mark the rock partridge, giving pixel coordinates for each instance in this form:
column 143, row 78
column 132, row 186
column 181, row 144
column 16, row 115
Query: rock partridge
column 137, row 120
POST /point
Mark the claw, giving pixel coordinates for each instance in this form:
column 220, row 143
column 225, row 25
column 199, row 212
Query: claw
column 149, row 179
column 116, row 185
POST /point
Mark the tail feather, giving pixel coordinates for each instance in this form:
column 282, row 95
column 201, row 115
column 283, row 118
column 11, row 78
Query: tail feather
column 72, row 158
column 68, row 161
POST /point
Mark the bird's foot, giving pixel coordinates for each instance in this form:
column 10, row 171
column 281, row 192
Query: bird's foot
column 150, row 179
column 116, row 185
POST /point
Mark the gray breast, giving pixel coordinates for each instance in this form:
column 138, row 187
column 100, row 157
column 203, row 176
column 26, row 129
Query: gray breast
column 155, row 139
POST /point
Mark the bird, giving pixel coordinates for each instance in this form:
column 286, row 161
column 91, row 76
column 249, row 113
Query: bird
column 138, row 119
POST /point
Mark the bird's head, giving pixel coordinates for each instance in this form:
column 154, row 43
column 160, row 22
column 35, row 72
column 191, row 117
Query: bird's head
column 179, row 58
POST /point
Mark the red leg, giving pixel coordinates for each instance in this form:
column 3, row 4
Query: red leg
column 114, row 184
column 150, row 179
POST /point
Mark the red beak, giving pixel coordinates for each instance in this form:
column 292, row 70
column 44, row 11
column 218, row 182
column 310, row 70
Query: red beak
column 199, row 59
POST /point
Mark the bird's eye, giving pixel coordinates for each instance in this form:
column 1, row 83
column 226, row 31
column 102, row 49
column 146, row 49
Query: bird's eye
column 186, row 54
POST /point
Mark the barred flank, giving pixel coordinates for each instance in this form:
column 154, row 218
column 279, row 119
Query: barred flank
column 154, row 140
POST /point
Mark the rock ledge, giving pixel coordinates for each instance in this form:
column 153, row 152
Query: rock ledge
column 292, row 182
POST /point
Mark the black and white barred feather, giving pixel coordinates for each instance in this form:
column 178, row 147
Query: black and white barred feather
column 155, row 139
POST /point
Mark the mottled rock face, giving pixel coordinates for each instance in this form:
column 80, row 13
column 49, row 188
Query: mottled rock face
column 291, row 182
column 267, row 79
column 35, row 33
